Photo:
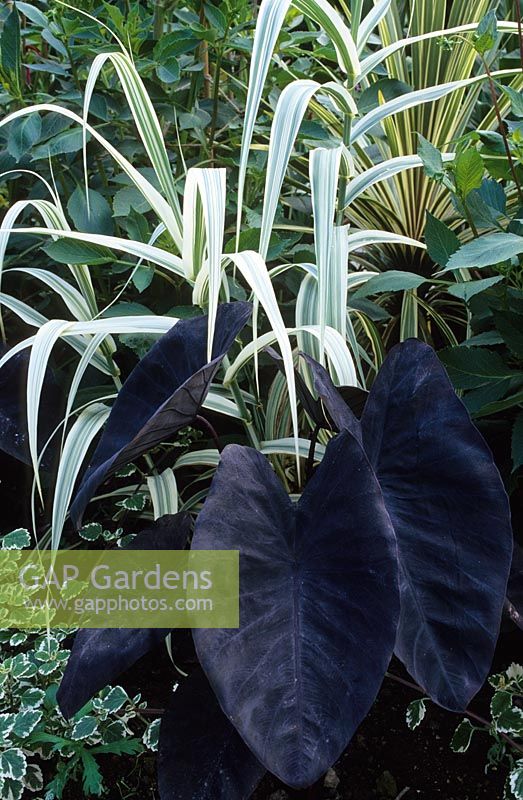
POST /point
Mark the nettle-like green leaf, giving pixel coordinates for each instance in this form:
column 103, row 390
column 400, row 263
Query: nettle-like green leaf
column 85, row 727
column 431, row 158
column 462, row 737
column 517, row 442
column 441, row 241
column 516, row 100
column 16, row 540
column 486, row 33
column 392, row 280
column 493, row 248
column 468, row 289
column 416, row 713
column 468, row 170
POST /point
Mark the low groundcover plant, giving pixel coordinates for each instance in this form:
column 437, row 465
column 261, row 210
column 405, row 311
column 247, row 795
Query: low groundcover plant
column 400, row 542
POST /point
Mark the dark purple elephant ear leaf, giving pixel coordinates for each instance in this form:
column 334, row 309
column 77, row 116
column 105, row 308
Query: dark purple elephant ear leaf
column 337, row 409
column 14, row 437
column 100, row 655
column 201, row 754
column 451, row 517
column 162, row 394
column 318, row 605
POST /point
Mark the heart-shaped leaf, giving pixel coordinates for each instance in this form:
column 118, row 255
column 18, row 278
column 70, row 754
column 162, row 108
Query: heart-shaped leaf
column 201, row 754
column 161, row 395
column 99, row 655
column 451, row 516
column 318, row 605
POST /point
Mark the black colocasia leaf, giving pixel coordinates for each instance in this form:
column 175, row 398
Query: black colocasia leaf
column 162, row 394
column 201, row 754
column 318, row 605
column 99, row 655
column 451, row 516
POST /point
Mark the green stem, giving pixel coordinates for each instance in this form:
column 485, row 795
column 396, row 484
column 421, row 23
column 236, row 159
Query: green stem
column 242, row 408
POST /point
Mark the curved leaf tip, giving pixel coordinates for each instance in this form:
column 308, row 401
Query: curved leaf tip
column 162, row 394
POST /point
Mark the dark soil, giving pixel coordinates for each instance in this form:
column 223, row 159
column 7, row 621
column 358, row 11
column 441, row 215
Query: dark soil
column 384, row 761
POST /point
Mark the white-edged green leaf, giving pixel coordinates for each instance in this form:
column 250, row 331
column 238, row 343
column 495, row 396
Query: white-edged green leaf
column 462, row 737
column 16, row 540
column 416, row 713
column 84, row 728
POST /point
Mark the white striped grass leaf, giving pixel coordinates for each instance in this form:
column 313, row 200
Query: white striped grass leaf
column 85, row 361
column 370, row 63
column 336, row 290
column 78, row 441
column 221, row 405
column 355, row 279
column 268, row 26
column 50, row 189
column 254, row 270
column 288, row 116
column 409, row 315
column 415, row 99
column 146, row 189
column 282, row 447
column 324, row 170
column 198, row 458
column 382, row 172
column 277, row 417
column 164, row 493
column 146, row 323
column 340, row 358
column 373, row 18
column 364, row 238
column 53, row 217
column 72, row 298
column 146, row 121
column 26, row 313
column 152, row 239
column 205, row 189
column 148, row 252
column 333, row 25
column 271, row 15
column 43, row 344
column 35, row 319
